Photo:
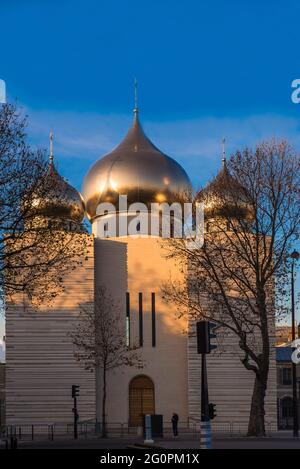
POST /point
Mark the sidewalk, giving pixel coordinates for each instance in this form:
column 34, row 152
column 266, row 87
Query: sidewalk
column 219, row 442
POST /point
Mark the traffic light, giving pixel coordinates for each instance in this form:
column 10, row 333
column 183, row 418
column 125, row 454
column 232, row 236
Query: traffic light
column 204, row 335
column 75, row 390
column 212, row 411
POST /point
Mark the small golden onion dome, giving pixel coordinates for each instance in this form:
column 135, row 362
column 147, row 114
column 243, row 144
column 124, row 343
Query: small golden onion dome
column 57, row 199
column 137, row 169
column 225, row 197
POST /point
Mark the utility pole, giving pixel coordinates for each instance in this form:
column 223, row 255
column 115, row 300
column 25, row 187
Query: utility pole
column 295, row 257
column 205, row 425
column 204, row 347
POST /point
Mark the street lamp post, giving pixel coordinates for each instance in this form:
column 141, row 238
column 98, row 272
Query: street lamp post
column 295, row 257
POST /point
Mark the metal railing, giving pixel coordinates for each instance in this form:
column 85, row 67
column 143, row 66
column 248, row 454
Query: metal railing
column 90, row 429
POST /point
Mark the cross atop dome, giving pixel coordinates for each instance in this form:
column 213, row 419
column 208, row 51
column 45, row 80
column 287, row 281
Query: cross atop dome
column 136, row 109
column 51, row 147
column 223, row 152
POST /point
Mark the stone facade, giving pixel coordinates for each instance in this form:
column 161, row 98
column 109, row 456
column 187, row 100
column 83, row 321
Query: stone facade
column 138, row 265
column 40, row 364
column 41, row 367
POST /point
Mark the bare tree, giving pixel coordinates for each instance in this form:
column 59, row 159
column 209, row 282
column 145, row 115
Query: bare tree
column 239, row 277
column 101, row 343
column 35, row 252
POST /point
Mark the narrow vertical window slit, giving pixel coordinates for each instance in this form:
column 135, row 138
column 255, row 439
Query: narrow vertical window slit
column 141, row 337
column 153, row 319
column 128, row 319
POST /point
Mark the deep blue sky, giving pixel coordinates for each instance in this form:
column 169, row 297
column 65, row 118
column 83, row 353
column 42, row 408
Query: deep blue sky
column 206, row 69
column 225, row 67
column 191, row 57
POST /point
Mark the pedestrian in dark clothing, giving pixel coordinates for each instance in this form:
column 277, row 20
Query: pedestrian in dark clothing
column 175, row 419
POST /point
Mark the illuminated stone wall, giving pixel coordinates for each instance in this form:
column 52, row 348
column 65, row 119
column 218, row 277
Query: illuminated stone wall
column 40, row 365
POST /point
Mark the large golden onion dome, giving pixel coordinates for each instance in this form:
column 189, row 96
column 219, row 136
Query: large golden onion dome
column 56, row 198
column 135, row 168
column 224, row 196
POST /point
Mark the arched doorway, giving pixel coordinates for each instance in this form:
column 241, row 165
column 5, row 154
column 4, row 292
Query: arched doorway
column 141, row 399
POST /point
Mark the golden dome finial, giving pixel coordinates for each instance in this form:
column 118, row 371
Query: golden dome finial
column 136, row 109
column 51, row 147
column 136, row 168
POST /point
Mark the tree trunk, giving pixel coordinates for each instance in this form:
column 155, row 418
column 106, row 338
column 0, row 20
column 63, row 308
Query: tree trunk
column 256, row 426
column 104, row 431
column 98, row 385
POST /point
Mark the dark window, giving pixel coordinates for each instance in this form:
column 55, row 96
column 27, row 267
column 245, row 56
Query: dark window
column 286, row 376
column 153, row 319
column 287, row 407
column 141, row 338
